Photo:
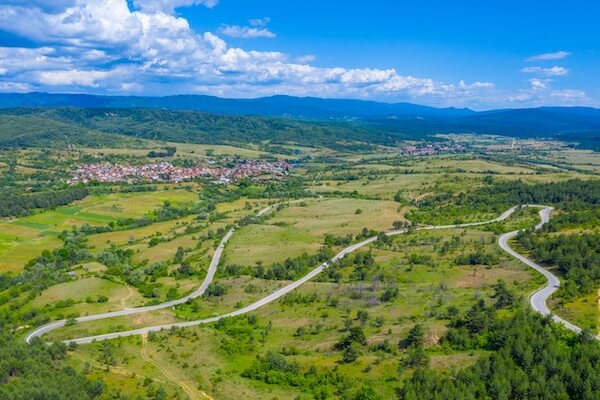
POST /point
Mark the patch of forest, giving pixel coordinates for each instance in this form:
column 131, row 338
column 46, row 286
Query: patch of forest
column 531, row 358
column 576, row 256
column 27, row 127
column 19, row 204
column 38, row 371
column 497, row 196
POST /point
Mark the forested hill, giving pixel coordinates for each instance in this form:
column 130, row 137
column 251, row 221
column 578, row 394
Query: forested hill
column 109, row 127
column 580, row 124
column 308, row 107
column 100, row 127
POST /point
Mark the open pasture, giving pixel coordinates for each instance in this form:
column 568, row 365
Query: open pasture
column 300, row 228
column 26, row 237
column 119, row 296
column 307, row 330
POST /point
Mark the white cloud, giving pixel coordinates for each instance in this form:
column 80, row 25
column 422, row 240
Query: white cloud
column 103, row 46
column 537, row 84
column 257, row 29
column 90, row 24
column 14, row 87
column 541, row 93
column 550, row 56
column 169, row 6
column 552, row 71
column 570, row 96
column 306, row 59
column 15, row 60
column 46, row 5
column 259, row 21
column 73, row 77
column 246, row 32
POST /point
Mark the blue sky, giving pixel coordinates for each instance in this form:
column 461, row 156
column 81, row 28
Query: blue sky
column 480, row 54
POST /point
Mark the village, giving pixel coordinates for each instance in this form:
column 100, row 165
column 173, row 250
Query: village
column 432, row 149
column 167, row 172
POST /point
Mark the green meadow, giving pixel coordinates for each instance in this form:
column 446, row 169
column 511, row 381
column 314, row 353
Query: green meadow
column 25, row 238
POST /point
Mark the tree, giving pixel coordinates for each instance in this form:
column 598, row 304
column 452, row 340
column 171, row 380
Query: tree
column 106, row 355
column 398, row 224
column 179, row 255
column 40, row 371
column 415, row 337
column 416, row 357
column 355, row 336
column 504, row 297
column 363, row 317
column 215, row 289
column 350, row 354
column 366, row 393
column 185, row 269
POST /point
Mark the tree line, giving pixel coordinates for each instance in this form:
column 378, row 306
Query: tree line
column 38, row 371
column 18, row 204
column 497, row 196
column 530, row 357
column 576, row 256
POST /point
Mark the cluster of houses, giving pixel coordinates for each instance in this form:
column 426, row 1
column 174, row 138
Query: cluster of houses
column 432, row 149
column 167, row 172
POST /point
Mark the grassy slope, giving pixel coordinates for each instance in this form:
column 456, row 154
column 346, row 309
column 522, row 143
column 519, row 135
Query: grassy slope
column 27, row 237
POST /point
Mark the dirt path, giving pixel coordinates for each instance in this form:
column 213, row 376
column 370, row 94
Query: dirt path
column 130, row 293
column 190, row 391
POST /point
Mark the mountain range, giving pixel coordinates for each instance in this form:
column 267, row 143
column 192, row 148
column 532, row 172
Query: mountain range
column 580, row 124
column 301, row 107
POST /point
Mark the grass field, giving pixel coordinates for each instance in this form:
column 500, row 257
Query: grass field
column 119, row 296
column 300, row 228
column 413, row 186
column 30, row 235
column 212, row 359
column 188, row 150
column 582, row 159
column 424, row 267
column 131, row 235
column 428, row 175
column 583, row 311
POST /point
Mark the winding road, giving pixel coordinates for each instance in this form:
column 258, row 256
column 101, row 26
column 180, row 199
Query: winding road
column 539, row 297
column 210, row 274
column 537, row 301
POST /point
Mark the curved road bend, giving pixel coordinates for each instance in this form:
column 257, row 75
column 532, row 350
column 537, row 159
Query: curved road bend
column 540, row 296
column 212, row 268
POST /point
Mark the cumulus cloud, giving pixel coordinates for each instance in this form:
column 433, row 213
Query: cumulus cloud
column 245, row 32
column 257, row 29
column 550, row 56
column 97, row 23
column 46, row 5
column 553, row 71
column 73, row 77
column 105, row 46
column 537, row 84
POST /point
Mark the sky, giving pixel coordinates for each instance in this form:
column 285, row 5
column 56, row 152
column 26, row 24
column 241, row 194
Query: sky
column 462, row 53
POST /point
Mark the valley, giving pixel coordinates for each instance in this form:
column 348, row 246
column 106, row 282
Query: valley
column 168, row 248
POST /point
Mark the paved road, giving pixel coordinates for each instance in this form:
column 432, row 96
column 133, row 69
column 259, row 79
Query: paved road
column 212, row 268
column 539, row 296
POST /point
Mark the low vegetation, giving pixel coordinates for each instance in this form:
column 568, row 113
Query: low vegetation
column 426, row 314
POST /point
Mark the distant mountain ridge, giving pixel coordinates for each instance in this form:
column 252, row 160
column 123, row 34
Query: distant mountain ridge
column 280, row 105
column 575, row 124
